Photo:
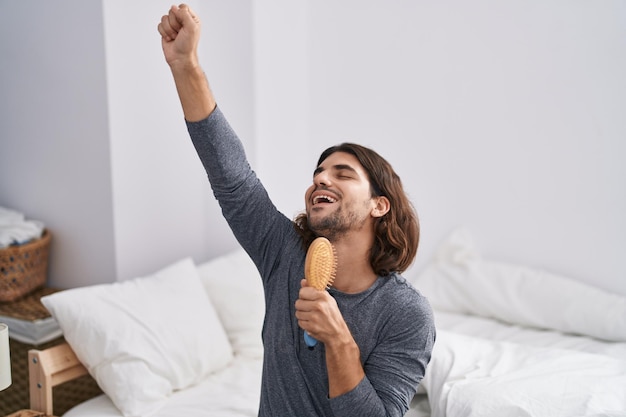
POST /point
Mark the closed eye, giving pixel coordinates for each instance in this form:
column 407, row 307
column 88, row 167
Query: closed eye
column 345, row 171
column 339, row 171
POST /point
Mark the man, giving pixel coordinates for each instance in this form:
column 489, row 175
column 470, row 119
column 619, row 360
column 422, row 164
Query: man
column 376, row 332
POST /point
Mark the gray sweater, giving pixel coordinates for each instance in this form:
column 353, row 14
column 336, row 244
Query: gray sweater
column 391, row 322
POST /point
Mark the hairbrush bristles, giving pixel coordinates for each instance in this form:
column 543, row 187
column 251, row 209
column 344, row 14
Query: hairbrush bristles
column 320, row 266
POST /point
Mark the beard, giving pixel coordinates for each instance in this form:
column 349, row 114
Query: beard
column 336, row 224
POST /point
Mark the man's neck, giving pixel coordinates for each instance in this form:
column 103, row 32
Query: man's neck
column 354, row 272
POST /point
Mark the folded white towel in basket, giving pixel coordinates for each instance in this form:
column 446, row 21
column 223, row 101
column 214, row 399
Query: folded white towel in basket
column 15, row 229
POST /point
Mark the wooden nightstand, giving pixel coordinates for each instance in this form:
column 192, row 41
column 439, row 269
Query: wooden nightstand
column 27, row 309
column 16, row 397
column 28, row 413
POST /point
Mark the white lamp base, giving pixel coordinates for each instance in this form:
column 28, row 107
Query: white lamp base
column 5, row 357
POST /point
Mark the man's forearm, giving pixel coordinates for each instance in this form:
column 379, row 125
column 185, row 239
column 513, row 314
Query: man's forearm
column 194, row 92
column 343, row 363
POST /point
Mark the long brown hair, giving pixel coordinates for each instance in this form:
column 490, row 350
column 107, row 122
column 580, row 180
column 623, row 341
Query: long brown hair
column 397, row 232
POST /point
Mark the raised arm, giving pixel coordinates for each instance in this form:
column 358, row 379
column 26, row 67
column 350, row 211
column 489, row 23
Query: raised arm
column 180, row 35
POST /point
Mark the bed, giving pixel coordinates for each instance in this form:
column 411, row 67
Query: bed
column 511, row 341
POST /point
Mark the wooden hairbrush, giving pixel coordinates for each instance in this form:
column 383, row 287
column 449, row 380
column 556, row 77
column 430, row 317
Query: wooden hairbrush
column 320, row 268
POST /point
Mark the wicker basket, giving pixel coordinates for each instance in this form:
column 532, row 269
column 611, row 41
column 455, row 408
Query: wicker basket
column 23, row 268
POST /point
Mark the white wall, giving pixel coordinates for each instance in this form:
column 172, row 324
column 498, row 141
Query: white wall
column 285, row 161
column 54, row 149
column 163, row 206
column 504, row 117
column 93, row 141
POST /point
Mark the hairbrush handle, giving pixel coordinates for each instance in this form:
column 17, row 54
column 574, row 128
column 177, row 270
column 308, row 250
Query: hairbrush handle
column 309, row 340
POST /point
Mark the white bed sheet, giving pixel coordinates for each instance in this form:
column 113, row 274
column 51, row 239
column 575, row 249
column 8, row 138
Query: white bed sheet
column 472, row 376
column 232, row 392
column 483, row 367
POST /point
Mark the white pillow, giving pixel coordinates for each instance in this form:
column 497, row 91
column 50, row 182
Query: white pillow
column 459, row 281
column 144, row 338
column 234, row 286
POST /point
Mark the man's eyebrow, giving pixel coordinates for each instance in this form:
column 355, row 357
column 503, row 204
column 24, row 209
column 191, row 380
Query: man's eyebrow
column 338, row 167
column 344, row 167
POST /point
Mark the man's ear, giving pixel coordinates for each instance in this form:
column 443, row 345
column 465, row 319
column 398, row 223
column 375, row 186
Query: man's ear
column 381, row 207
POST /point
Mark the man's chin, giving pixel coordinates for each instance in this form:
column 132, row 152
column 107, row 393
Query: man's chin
column 319, row 226
column 325, row 227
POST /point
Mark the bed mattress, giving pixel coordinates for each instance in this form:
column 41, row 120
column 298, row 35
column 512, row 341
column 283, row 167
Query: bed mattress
column 234, row 392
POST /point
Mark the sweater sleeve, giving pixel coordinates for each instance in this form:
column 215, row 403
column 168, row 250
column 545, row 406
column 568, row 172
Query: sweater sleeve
column 396, row 366
column 245, row 204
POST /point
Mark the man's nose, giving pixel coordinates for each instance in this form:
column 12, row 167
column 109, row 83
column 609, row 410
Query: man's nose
column 322, row 179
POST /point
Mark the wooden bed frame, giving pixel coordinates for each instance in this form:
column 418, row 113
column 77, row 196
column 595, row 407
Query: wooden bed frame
column 49, row 368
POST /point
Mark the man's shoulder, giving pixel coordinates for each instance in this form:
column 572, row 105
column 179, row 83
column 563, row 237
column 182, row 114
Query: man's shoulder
column 399, row 284
column 406, row 296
